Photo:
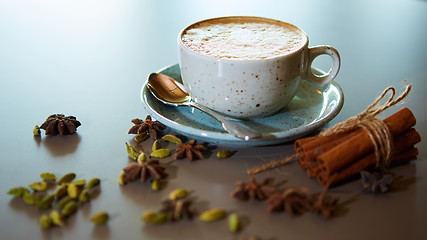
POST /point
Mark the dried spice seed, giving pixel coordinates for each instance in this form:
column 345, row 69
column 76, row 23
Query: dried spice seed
column 177, row 209
column 178, row 194
column 60, row 191
column 60, row 124
column 131, row 151
column 253, row 190
column 56, row 218
column 47, row 176
column 67, row 178
column 191, row 150
column 148, row 216
column 376, row 182
column 172, row 138
column 93, row 183
column 45, row 221
column 100, row 218
column 154, row 218
column 18, row 191
column 143, row 170
column 69, row 208
column 154, row 128
column 72, row 190
column 233, row 222
column 161, row 153
column 31, row 199
column 292, row 200
column 156, row 145
column 211, row 215
column 80, row 183
column 122, row 178
column 46, row 202
column 38, row 186
column 141, row 137
column 155, row 185
column 61, row 203
column 142, row 157
column 36, row 130
column 84, row 196
column 224, row 154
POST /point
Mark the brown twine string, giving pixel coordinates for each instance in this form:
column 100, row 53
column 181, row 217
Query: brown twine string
column 377, row 130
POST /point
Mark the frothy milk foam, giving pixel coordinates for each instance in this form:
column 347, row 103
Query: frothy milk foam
column 243, row 40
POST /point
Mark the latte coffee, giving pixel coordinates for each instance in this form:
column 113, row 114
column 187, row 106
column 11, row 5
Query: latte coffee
column 247, row 67
column 243, row 38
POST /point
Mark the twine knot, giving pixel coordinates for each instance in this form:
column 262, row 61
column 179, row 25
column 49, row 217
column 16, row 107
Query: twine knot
column 377, row 130
column 367, row 120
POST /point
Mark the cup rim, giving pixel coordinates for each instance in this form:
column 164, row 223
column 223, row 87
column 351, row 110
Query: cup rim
column 244, row 17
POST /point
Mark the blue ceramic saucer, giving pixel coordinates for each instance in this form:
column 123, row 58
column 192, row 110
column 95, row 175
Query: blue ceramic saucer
column 312, row 107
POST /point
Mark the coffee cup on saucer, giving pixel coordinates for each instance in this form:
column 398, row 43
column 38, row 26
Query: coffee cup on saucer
column 248, row 67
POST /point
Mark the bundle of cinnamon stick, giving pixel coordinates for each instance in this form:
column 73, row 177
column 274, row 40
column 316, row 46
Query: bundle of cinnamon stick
column 335, row 158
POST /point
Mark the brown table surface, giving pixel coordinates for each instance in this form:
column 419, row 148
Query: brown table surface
column 90, row 58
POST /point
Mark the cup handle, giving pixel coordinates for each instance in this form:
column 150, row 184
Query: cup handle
column 313, row 52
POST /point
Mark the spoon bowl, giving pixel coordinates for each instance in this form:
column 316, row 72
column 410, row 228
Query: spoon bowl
column 168, row 91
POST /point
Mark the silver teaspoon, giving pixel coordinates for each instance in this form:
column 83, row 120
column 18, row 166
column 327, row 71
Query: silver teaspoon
column 167, row 90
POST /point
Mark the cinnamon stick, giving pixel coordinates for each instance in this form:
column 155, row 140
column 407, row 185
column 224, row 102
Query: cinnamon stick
column 403, row 151
column 308, row 151
column 360, row 144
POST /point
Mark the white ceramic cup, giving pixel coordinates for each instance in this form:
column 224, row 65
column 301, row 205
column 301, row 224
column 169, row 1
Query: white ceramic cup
column 248, row 88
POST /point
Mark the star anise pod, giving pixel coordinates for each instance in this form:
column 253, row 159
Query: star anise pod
column 60, row 124
column 253, row 190
column 154, row 128
column 322, row 204
column 144, row 170
column 177, row 209
column 376, row 182
column 292, row 200
column 189, row 150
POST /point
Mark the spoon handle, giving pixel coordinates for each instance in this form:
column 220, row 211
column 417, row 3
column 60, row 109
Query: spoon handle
column 231, row 127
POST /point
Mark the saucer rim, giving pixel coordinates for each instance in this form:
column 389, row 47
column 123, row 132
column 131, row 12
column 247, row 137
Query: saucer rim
column 225, row 138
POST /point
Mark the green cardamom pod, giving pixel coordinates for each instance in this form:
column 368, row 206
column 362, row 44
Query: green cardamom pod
column 100, row 218
column 36, row 130
column 31, row 199
column 93, row 183
column 211, row 215
column 73, row 190
column 84, row 195
column 154, row 218
column 156, row 145
column 155, row 185
column 56, row 218
column 172, row 138
column 224, row 154
column 18, row 191
column 69, row 208
column 45, row 221
column 67, row 178
column 60, row 191
column 233, row 222
column 178, row 194
column 161, row 153
column 38, row 186
column 46, row 202
column 80, row 183
column 122, row 178
column 46, row 176
column 141, row 137
column 131, row 152
column 142, row 157
column 61, row 204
